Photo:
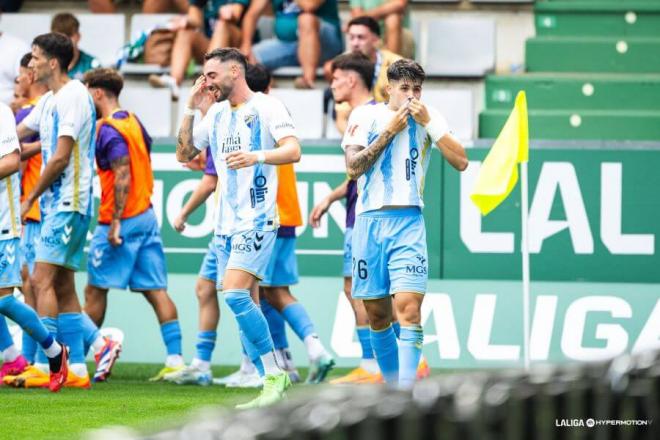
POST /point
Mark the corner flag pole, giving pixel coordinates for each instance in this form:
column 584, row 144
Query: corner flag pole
column 524, row 250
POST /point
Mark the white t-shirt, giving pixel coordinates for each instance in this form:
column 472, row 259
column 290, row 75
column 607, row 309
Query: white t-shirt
column 69, row 112
column 397, row 176
column 247, row 195
column 10, row 186
column 12, row 50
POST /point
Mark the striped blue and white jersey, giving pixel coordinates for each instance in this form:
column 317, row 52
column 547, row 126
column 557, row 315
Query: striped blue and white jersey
column 69, row 112
column 10, row 186
column 247, row 195
column 397, row 177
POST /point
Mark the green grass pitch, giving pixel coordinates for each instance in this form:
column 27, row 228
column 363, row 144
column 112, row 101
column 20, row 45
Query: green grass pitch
column 127, row 399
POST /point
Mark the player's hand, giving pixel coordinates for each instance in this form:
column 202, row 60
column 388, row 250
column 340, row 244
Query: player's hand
column 240, row 159
column 399, row 121
column 180, row 223
column 25, row 207
column 200, row 96
column 197, row 164
column 113, row 233
column 318, row 212
column 419, row 112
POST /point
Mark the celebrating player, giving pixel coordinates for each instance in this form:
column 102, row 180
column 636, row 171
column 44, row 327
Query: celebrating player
column 387, row 148
column 126, row 249
column 248, row 134
column 65, row 120
column 10, row 270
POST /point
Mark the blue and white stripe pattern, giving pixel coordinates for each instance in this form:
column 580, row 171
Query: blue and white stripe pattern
column 397, row 177
column 247, row 195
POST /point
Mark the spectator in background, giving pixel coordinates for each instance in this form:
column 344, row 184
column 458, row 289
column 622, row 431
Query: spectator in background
column 220, row 22
column 364, row 37
column 394, row 20
column 67, row 24
column 148, row 6
column 307, row 32
column 12, row 49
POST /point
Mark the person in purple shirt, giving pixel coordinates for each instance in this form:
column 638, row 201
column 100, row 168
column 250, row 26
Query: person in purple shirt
column 111, row 145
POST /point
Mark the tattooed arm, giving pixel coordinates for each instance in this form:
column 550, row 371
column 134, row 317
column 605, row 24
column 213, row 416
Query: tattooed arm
column 359, row 159
column 200, row 98
column 185, row 150
column 122, row 171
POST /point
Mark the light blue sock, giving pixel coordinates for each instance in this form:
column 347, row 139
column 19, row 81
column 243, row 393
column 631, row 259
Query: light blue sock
column 297, row 317
column 251, row 352
column 6, row 340
column 27, row 318
column 387, row 353
column 410, row 350
column 205, row 345
column 29, row 348
column 90, row 332
column 51, row 326
column 250, row 320
column 276, row 325
column 397, row 329
column 71, row 334
column 171, row 332
column 364, row 336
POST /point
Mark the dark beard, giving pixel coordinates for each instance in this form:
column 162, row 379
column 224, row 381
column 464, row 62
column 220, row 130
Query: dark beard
column 222, row 94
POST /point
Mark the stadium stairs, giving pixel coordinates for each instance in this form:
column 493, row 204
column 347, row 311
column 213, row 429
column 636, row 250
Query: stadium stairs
column 593, row 72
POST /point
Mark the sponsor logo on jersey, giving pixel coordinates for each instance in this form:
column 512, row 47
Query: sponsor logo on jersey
column 258, row 191
column 411, row 163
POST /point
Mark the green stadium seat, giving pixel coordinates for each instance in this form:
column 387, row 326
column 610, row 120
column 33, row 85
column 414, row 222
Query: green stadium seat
column 579, row 124
column 593, row 54
column 603, row 18
column 569, row 91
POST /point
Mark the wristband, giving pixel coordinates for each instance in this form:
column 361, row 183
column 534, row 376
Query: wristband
column 261, row 157
column 189, row 111
column 435, row 129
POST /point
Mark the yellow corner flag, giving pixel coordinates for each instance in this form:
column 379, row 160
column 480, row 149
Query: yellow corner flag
column 499, row 171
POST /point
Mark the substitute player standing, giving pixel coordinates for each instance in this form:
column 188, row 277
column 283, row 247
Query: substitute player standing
column 126, row 249
column 387, row 148
column 248, row 134
column 65, row 119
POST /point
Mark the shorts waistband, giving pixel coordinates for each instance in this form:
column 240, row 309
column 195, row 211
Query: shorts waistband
column 396, row 212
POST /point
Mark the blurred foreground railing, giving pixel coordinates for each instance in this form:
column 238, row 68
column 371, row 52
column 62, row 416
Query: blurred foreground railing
column 619, row 399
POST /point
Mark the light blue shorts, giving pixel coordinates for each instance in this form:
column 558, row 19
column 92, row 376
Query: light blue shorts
column 29, row 239
column 274, row 53
column 348, row 253
column 10, row 264
column 138, row 263
column 62, row 239
column 249, row 251
column 389, row 253
column 209, row 269
column 282, row 269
